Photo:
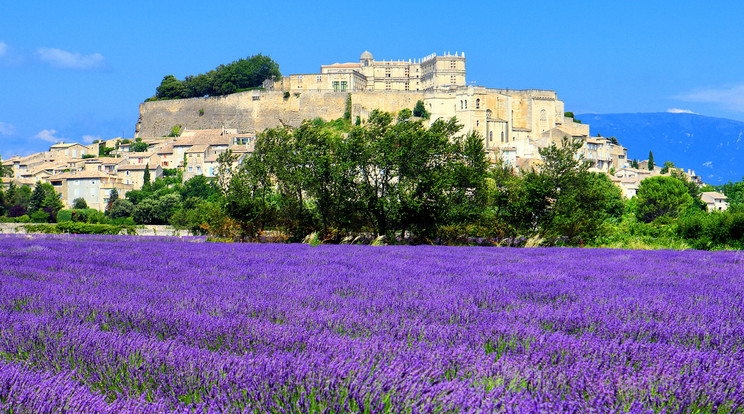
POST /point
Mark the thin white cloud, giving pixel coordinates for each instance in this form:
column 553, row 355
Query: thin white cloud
column 679, row 111
column 63, row 59
column 7, row 129
column 88, row 139
column 730, row 97
column 48, row 135
column 708, row 164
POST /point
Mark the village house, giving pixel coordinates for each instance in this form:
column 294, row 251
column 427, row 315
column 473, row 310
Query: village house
column 134, row 174
column 92, row 186
column 715, row 201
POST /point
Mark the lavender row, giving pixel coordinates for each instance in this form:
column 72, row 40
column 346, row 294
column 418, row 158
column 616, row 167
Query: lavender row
column 258, row 328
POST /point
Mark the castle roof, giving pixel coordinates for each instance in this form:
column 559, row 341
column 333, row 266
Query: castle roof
column 366, row 55
column 341, row 65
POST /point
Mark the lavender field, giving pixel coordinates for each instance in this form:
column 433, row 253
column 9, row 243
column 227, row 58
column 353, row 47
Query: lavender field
column 123, row 324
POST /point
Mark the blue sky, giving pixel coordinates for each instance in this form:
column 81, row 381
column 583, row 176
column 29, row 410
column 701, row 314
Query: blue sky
column 77, row 71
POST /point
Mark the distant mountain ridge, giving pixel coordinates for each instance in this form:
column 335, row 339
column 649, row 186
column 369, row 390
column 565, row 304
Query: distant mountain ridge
column 713, row 147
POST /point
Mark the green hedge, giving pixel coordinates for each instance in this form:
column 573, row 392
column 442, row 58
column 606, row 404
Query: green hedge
column 79, row 228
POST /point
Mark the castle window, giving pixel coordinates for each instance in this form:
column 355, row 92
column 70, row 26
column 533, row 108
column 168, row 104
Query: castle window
column 466, row 104
column 461, row 106
column 343, row 86
column 477, row 103
column 453, row 79
column 388, row 86
column 299, row 79
column 319, row 78
column 453, row 64
column 477, row 122
column 490, row 136
column 502, row 136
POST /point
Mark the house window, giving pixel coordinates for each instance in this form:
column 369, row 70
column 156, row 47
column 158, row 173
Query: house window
column 336, row 86
column 466, row 104
column 343, row 86
column 319, row 78
column 461, row 105
column 477, row 103
column 388, row 86
column 299, row 79
column 453, row 79
column 198, row 170
column 453, row 64
column 407, row 86
column 211, row 170
column 191, row 169
column 387, row 72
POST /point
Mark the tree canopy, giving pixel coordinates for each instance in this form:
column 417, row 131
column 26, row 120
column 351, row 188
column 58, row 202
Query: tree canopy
column 225, row 79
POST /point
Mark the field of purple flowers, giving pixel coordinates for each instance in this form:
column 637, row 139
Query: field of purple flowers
column 122, row 324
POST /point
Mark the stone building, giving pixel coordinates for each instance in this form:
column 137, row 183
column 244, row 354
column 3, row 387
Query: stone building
column 429, row 73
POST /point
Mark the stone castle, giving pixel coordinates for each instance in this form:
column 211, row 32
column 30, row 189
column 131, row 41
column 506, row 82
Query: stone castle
column 513, row 123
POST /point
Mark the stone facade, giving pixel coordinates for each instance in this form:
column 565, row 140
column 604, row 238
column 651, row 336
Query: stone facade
column 430, row 73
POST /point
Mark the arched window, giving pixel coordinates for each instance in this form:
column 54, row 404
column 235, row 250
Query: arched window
column 489, row 113
column 466, row 104
column 461, row 105
column 477, row 103
column 543, row 120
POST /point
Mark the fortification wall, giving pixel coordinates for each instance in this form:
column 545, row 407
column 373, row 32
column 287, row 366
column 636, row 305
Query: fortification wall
column 250, row 111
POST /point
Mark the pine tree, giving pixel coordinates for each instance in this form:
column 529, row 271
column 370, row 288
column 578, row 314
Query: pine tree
column 650, row 161
column 37, row 198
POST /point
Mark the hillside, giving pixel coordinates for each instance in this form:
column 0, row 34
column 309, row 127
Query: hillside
column 713, row 147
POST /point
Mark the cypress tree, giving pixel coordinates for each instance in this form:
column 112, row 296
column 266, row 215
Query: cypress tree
column 146, row 179
column 650, row 160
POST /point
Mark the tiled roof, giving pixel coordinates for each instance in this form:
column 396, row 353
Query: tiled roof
column 82, row 175
column 134, row 167
column 715, row 195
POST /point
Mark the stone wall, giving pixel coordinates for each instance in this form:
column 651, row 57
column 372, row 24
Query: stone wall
column 148, row 230
column 254, row 111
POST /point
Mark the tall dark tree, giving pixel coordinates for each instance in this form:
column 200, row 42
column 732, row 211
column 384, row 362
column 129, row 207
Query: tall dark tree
column 113, row 196
column 146, row 180
column 650, row 161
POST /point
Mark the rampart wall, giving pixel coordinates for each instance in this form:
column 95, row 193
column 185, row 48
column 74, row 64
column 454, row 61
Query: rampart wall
column 254, row 111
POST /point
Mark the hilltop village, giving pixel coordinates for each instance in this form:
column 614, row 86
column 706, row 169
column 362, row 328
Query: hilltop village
column 514, row 124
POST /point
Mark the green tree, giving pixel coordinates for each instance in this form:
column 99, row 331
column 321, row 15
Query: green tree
column 165, row 207
column 667, row 167
column 661, row 196
column 138, row 146
column 420, row 111
column 198, row 186
column 171, row 88
column 113, row 196
column 121, row 208
column 79, row 203
column 143, row 213
column 146, row 180
column 246, row 191
column 564, row 199
column 650, row 161
column 37, row 198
